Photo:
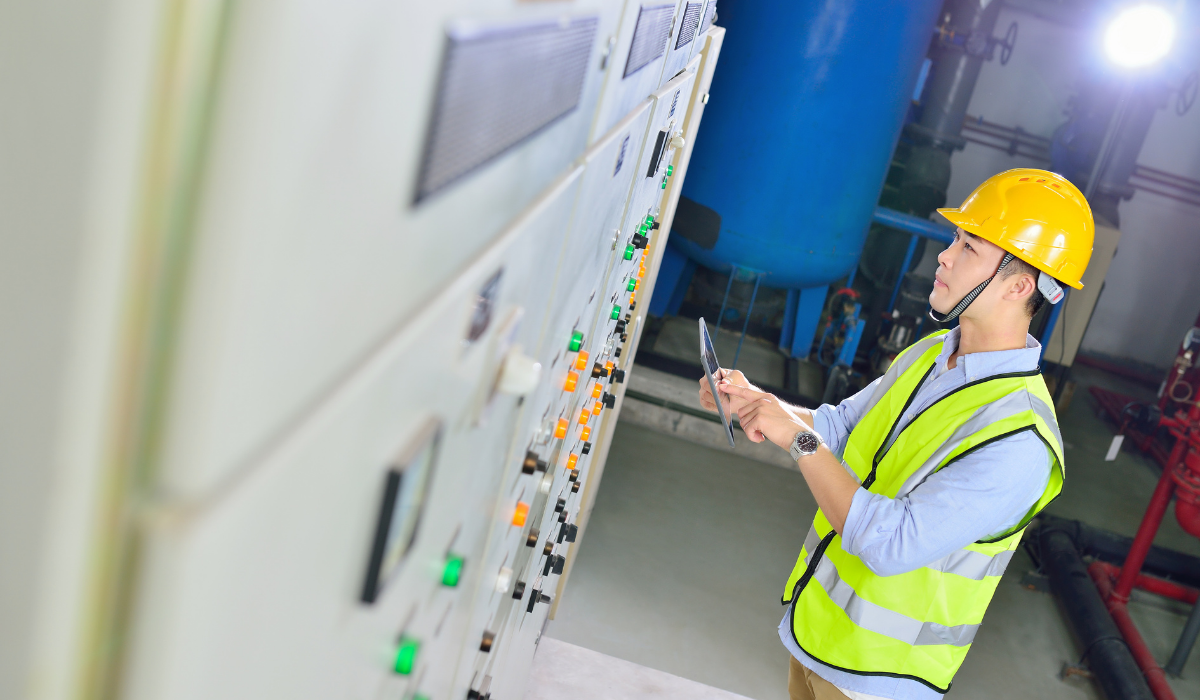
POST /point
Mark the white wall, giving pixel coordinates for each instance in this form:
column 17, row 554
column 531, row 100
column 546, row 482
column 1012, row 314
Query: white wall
column 1152, row 293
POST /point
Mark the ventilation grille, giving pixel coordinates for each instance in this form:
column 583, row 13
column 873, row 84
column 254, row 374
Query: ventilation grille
column 498, row 87
column 650, row 36
column 710, row 15
column 687, row 28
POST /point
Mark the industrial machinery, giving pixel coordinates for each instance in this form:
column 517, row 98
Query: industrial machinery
column 387, row 277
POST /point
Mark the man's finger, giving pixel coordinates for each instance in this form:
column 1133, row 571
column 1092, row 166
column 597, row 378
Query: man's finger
column 726, row 387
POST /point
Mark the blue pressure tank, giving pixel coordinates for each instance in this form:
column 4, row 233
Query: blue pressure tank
column 807, row 102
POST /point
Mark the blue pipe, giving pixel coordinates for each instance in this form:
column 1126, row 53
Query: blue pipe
column 908, row 256
column 911, row 224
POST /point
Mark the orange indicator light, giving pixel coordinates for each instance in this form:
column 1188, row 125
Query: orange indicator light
column 585, row 433
column 596, row 391
column 520, row 513
column 572, row 381
column 583, row 417
column 560, row 430
column 572, row 459
column 581, row 362
column 597, row 407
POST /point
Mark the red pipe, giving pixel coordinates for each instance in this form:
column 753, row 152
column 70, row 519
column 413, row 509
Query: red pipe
column 1157, row 586
column 1149, row 527
column 1155, row 677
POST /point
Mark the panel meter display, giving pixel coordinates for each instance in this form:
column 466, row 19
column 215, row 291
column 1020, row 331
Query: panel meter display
column 405, row 488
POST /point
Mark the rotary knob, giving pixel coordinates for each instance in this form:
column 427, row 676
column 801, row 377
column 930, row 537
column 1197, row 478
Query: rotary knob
column 609, row 400
column 537, row 597
column 618, row 376
column 621, row 326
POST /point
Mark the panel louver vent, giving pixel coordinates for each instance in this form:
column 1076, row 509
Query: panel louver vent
column 650, row 36
column 499, row 86
column 710, row 14
column 687, row 28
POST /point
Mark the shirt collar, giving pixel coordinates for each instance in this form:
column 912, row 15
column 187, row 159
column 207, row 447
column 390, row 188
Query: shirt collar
column 978, row 365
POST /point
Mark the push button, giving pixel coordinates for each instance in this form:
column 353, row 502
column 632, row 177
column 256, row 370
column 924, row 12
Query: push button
column 406, row 655
column 558, row 507
column 571, row 383
column 576, row 341
column 598, row 371
column 532, row 538
column 621, row 326
column 452, row 570
column 587, row 448
column 575, row 487
column 519, row 590
column 485, row 645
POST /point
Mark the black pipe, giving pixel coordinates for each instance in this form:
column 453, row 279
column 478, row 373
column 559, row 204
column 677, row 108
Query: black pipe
column 1112, row 548
column 1105, row 651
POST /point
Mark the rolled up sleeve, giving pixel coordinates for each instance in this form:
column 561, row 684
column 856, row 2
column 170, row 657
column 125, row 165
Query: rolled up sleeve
column 834, row 423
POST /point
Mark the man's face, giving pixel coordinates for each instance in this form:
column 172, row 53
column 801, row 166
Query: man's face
column 962, row 267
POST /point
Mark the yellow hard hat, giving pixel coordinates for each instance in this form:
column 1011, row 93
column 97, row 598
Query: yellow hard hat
column 1036, row 215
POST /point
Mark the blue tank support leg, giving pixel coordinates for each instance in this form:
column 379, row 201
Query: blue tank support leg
column 746, row 325
column 804, row 315
column 789, row 321
column 674, row 277
column 908, row 256
column 725, row 300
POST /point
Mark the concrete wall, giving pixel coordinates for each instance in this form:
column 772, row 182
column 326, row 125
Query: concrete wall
column 1152, row 293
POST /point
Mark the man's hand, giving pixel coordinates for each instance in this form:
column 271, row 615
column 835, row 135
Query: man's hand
column 730, row 375
column 762, row 415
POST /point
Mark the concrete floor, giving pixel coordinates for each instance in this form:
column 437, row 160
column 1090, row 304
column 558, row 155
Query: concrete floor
column 688, row 548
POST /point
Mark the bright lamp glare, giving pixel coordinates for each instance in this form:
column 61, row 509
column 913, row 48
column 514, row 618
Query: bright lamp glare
column 1139, row 36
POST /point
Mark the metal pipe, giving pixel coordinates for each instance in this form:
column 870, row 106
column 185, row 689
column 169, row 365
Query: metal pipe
column 1186, row 641
column 1153, row 673
column 911, row 224
column 1149, row 526
column 908, row 256
column 1157, row 586
column 753, row 295
column 724, row 299
column 1105, row 650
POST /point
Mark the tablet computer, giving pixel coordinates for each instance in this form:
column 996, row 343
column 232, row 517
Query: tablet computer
column 708, row 358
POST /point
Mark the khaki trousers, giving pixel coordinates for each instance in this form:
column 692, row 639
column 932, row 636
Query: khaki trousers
column 803, row 684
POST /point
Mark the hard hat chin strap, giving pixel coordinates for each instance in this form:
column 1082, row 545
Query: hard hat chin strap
column 970, row 297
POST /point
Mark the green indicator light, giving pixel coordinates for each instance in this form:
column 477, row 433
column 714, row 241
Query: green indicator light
column 632, row 285
column 670, row 170
column 452, row 571
column 650, row 219
column 406, row 655
column 643, row 229
column 420, row 697
column 629, row 252
column 616, row 313
column 576, row 340
column 664, row 185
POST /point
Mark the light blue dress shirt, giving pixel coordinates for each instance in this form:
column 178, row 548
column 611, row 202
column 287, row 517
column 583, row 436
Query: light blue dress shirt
column 984, row 493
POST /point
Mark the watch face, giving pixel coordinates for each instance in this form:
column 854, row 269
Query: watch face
column 807, row 443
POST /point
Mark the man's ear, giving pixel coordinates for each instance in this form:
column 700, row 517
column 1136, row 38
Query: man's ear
column 1020, row 286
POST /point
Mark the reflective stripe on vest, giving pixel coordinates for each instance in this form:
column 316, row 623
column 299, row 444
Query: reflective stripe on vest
column 917, row 624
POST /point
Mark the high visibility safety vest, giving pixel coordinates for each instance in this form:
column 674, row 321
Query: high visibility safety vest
column 919, row 624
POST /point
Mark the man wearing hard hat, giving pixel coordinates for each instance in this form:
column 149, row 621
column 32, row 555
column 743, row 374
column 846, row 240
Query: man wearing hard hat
column 927, row 478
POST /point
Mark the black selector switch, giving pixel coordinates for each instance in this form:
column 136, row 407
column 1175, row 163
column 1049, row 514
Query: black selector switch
column 621, row 326
column 617, row 352
column 639, row 241
column 519, row 590
column 562, row 503
column 618, row 376
column 537, row 597
column 562, row 517
column 609, row 400
column 632, row 305
column 587, row 447
column 599, row 370
column 554, row 563
column 572, row 532
column 532, row 463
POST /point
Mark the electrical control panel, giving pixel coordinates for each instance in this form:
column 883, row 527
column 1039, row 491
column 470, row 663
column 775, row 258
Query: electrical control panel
column 416, row 282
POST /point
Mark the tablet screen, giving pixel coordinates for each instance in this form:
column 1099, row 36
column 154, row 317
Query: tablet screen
column 708, row 358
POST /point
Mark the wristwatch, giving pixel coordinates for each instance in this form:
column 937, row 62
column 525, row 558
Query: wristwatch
column 804, row 444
